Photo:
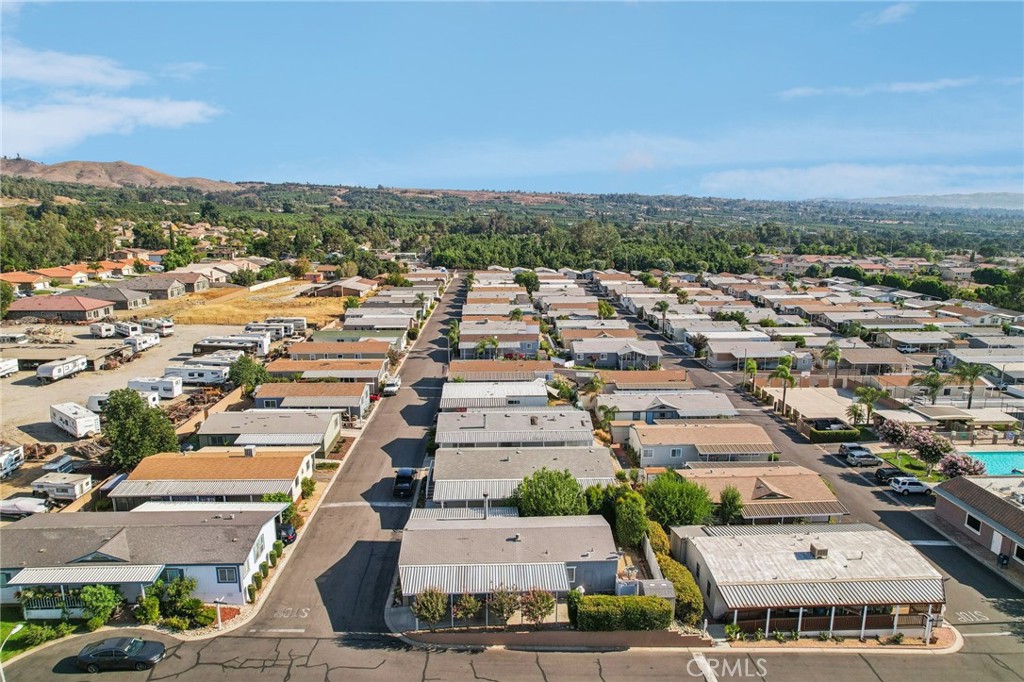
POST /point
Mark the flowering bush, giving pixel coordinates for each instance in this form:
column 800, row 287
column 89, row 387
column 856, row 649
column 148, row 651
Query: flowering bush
column 956, row 464
column 930, row 448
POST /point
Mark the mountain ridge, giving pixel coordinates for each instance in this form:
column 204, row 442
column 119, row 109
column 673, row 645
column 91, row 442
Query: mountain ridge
column 107, row 174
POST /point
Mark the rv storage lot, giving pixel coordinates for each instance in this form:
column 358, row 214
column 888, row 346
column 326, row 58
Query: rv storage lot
column 25, row 404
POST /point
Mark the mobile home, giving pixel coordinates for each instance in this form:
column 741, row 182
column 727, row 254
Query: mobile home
column 75, row 419
column 165, row 387
column 277, row 330
column 102, row 330
column 158, row 325
column 64, row 487
column 128, row 328
column 142, row 342
column 61, row 369
column 218, row 358
column 98, row 402
column 8, row 367
column 15, row 338
column 196, row 375
column 298, row 323
column 11, row 459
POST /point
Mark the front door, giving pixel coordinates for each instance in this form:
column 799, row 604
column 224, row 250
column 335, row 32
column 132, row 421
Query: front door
column 997, row 543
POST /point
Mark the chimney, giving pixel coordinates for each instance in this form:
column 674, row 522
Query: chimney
column 249, row 450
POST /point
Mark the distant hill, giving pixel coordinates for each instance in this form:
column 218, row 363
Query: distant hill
column 112, row 174
column 1013, row 201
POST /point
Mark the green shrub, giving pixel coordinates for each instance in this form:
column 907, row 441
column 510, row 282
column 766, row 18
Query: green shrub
column 34, row 635
column 103, row 504
column 605, row 613
column 278, row 547
column 94, row 624
column 734, row 633
column 658, row 538
column 572, row 604
column 328, row 465
column 621, row 475
column 308, row 486
column 174, row 623
column 205, row 617
column 187, row 608
column 264, row 569
column 251, row 590
column 272, row 559
column 689, row 602
column 794, row 635
column 257, row 580
column 896, row 638
column 63, row 629
column 823, row 636
column 838, row 639
column 840, row 436
column 147, row 611
column 779, row 636
column 413, row 334
column 100, row 601
column 758, row 634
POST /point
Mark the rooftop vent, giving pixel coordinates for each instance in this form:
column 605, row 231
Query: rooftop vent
column 517, row 538
column 819, row 551
column 249, row 450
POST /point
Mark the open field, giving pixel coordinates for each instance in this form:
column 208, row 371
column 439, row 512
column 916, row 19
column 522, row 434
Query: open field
column 239, row 306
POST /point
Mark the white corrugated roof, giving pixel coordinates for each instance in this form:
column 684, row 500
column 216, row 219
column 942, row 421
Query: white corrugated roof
column 162, row 488
column 484, row 578
column 87, row 575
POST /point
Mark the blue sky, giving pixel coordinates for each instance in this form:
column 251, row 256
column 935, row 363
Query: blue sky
column 757, row 100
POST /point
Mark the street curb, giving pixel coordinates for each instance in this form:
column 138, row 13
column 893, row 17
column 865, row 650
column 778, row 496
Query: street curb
column 958, row 643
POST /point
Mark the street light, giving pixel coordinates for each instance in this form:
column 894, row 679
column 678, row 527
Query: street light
column 17, row 628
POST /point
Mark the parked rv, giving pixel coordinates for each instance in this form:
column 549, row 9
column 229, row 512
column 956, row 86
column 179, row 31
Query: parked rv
column 195, row 375
column 11, row 459
column 75, row 419
column 158, row 325
column 128, row 329
column 98, row 402
column 219, row 358
column 277, row 330
column 142, row 342
column 61, row 369
column 298, row 323
column 8, row 367
column 165, row 387
column 15, row 338
column 102, row 330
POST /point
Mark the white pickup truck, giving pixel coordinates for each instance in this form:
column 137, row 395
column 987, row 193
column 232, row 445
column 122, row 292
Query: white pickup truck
column 391, row 385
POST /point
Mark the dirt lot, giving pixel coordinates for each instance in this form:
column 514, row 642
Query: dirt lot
column 239, row 306
column 25, row 405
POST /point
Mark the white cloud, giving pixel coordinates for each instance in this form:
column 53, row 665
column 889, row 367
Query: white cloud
column 183, row 70
column 851, row 180
column 41, row 129
column 63, row 70
column 894, row 88
column 893, row 14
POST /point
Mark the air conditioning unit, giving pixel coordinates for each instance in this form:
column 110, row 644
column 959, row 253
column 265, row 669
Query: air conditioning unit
column 818, row 551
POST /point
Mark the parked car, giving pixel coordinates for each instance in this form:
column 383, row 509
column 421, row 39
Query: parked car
column 862, row 458
column 286, row 533
column 120, row 653
column 908, row 349
column 405, row 483
column 904, row 485
column 847, row 448
column 885, row 474
column 392, row 385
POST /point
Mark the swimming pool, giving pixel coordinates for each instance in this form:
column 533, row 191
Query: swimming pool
column 1000, row 462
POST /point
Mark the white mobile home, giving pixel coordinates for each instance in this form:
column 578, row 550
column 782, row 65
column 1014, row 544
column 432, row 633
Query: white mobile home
column 142, row 342
column 98, row 402
column 102, row 330
column 65, row 487
column 197, row 375
column 128, row 329
column 158, row 325
column 298, row 323
column 75, row 419
column 277, row 330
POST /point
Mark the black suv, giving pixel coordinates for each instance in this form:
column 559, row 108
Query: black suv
column 405, row 482
column 885, row 474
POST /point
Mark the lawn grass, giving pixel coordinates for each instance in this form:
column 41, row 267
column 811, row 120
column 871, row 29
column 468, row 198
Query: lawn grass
column 9, row 617
column 911, row 466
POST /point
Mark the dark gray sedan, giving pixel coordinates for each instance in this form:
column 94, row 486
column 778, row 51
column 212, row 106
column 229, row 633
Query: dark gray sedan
column 120, row 653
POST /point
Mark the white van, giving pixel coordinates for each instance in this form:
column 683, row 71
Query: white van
column 102, row 330
column 75, row 419
column 165, row 387
column 128, row 329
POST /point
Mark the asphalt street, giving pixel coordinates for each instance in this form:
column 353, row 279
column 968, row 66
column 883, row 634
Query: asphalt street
column 324, row 619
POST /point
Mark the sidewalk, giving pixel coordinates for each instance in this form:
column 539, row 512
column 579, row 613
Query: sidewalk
column 964, row 542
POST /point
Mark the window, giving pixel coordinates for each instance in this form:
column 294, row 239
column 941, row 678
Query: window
column 676, row 452
column 604, row 356
column 648, row 453
column 5, row 577
column 638, row 415
column 269, row 403
column 973, row 523
column 227, row 574
column 171, row 574
column 1018, row 554
column 257, row 551
column 696, row 572
column 513, row 401
column 707, row 588
column 570, row 572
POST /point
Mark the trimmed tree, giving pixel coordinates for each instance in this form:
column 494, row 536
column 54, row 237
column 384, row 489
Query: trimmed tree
column 135, row 430
column 550, row 493
column 430, row 605
column 537, row 605
column 730, row 505
column 503, row 603
column 248, row 373
column 896, row 434
column 932, row 381
column 674, row 501
column 466, row 607
column 631, row 519
column 100, row 601
column 956, row 464
column 528, row 280
column 968, row 373
column 930, row 448
column 832, row 353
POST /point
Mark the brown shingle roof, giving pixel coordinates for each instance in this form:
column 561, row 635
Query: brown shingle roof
column 462, row 367
column 999, row 509
column 702, row 434
column 221, row 464
column 312, row 365
column 317, row 389
column 346, row 348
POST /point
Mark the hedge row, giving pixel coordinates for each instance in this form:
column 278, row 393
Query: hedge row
column 601, row 612
column 839, row 436
column 689, row 602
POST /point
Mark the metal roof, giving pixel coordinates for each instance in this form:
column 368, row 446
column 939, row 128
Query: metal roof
column 780, row 509
column 468, row 438
column 192, row 488
column 735, row 448
column 279, row 439
column 496, row 489
column 833, row 593
column 802, row 529
column 87, row 575
column 166, row 506
column 462, row 513
column 484, row 578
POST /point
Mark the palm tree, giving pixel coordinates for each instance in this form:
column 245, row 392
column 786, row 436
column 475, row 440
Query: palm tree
column 782, row 372
column 516, row 315
column 832, row 353
column 855, row 412
column 868, row 396
column 750, row 369
column 699, row 343
column 595, row 384
column 968, row 373
column 453, row 337
column 932, row 381
column 490, row 342
column 605, row 415
column 662, row 307
column 682, row 297
column 421, row 298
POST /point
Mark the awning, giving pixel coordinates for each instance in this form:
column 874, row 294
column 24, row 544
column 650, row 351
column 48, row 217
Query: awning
column 834, row 593
column 735, row 448
column 484, row 578
column 773, row 510
column 87, row 575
